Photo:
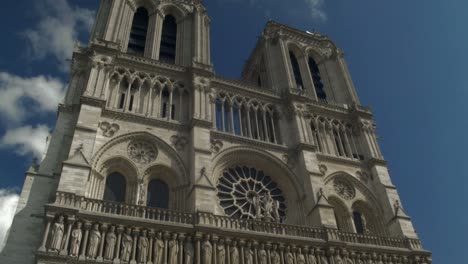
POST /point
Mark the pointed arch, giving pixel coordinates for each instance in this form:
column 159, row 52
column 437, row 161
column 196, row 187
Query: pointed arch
column 138, row 32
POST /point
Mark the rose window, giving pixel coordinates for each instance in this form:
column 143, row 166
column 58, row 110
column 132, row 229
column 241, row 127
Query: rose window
column 250, row 194
column 344, row 189
column 142, row 152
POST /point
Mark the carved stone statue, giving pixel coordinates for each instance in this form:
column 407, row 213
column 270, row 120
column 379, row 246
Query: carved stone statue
column 275, row 213
column 221, row 253
column 234, row 253
column 57, row 235
column 275, row 257
column 126, row 245
column 301, row 258
column 257, row 203
column 323, row 260
column 312, row 259
column 289, row 258
column 188, row 251
column 364, row 224
column 75, row 237
column 207, row 251
column 249, row 255
column 173, row 249
column 338, row 259
column 158, row 249
column 268, row 207
column 143, row 245
column 262, row 256
column 111, row 240
column 94, row 239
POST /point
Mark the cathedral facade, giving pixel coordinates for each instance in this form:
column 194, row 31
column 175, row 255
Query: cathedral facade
column 157, row 160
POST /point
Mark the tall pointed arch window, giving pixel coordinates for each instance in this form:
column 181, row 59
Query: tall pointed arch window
column 296, row 70
column 158, row 194
column 115, row 188
column 317, row 79
column 138, row 33
column 358, row 222
column 167, row 51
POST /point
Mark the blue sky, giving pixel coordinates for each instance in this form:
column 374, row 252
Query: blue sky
column 408, row 61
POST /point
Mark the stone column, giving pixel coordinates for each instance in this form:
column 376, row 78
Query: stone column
column 103, row 239
column 151, row 235
column 197, row 238
column 120, row 230
column 181, row 238
column 166, row 237
column 84, row 243
column 214, row 240
column 136, row 232
column 64, row 250
column 46, row 234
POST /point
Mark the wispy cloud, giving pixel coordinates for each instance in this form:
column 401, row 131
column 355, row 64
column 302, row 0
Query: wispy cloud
column 57, row 30
column 26, row 140
column 21, row 96
column 316, row 9
column 8, row 202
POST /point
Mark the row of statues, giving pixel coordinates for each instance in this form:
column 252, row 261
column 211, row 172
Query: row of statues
column 101, row 242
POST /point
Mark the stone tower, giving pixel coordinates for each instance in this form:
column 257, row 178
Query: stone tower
column 156, row 159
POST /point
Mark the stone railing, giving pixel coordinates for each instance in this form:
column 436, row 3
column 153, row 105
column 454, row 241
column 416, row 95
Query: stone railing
column 216, row 222
column 121, row 209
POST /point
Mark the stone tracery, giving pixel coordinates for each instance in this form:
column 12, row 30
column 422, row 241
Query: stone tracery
column 250, row 194
column 142, row 151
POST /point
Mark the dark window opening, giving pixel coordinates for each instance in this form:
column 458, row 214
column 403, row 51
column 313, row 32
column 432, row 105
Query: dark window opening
column 296, row 70
column 137, row 41
column 130, row 107
column 173, row 112
column 122, row 101
column 158, row 194
column 357, row 217
column 167, row 51
column 259, row 81
column 115, row 188
column 317, row 79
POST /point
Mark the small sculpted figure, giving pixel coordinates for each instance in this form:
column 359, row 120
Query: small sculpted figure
column 301, row 258
column 57, row 235
column 289, row 258
column 268, row 207
column 275, row 257
column 249, row 255
column 312, row 259
column 207, row 251
column 234, row 253
column 276, row 215
column 94, row 239
column 158, row 249
column 126, row 245
column 143, row 245
column 75, row 237
column 262, row 255
column 188, row 251
column 173, row 249
column 221, row 253
column 111, row 240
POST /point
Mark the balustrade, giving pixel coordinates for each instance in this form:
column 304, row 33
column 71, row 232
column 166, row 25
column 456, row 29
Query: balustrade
column 216, row 222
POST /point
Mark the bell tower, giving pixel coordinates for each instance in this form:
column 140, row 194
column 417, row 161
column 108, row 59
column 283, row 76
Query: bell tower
column 176, row 32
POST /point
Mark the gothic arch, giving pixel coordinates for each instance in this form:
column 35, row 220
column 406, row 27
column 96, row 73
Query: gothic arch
column 175, row 160
column 342, row 214
column 175, row 10
column 261, row 160
column 147, row 4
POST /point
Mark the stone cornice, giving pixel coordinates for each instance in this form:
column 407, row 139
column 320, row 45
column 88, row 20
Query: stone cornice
column 240, row 86
column 340, row 160
column 137, row 118
column 247, row 141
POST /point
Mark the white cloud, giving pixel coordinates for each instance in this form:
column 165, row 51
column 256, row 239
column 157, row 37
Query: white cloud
column 58, row 29
column 26, row 140
column 20, row 96
column 8, row 202
column 316, row 9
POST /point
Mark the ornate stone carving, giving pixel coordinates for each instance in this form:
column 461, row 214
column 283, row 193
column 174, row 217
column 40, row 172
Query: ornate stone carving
column 262, row 256
column 216, row 145
column 189, row 251
column 344, row 189
column 179, row 142
column 234, row 253
column 108, row 129
column 275, row 256
column 94, row 239
column 143, row 245
column 173, row 250
column 248, row 193
column 249, row 255
column 207, row 251
column 57, row 235
column 221, row 253
column 323, row 169
column 111, row 241
column 142, row 151
column 158, row 249
column 76, row 237
column 126, row 245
